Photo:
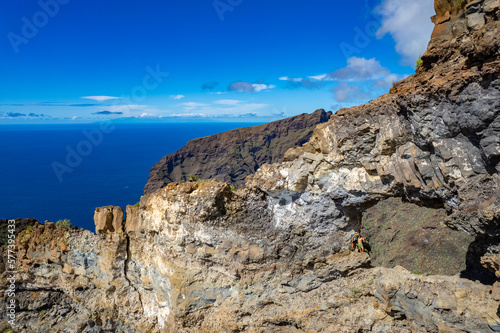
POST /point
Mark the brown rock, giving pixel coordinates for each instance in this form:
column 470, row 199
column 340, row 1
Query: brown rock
column 108, row 219
column 492, row 262
column 273, row 257
column 492, row 6
column 495, row 291
column 132, row 220
column 445, row 18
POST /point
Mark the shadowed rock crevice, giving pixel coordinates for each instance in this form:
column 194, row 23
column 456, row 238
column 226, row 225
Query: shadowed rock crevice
column 482, row 260
column 126, row 270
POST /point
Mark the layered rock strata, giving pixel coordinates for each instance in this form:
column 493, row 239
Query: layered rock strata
column 271, row 257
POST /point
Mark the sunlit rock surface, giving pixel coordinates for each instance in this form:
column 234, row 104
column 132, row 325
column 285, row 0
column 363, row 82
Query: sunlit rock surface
column 273, row 256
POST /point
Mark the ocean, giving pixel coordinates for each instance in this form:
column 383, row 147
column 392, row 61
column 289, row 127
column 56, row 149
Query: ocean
column 54, row 172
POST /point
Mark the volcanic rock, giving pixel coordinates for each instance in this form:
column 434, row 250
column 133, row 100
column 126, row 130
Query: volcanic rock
column 233, row 155
column 274, row 256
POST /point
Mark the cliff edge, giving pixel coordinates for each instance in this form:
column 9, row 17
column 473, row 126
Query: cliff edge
column 273, row 256
column 233, row 155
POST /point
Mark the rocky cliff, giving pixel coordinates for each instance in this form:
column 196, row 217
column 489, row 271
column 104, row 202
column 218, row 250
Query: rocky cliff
column 272, row 256
column 233, row 155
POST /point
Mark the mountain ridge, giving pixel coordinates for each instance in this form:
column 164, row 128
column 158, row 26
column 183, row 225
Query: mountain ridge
column 273, row 255
column 233, row 155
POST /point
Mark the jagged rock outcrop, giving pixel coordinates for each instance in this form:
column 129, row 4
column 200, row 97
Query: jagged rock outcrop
column 108, row 219
column 178, row 277
column 271, row 257
column 233, row 155
column 434, row 140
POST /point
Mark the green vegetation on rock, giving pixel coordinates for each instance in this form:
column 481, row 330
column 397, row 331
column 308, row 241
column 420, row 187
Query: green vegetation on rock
column 5, row 327
column 419, row 62
column 66, row 223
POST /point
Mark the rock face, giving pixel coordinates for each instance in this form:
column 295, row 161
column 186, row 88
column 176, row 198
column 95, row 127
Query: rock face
column 434, row 140
column 109, row 218
column 233, row 155
column 180, row 278
column 20, row 224
column 272, row 256
column 414, row 237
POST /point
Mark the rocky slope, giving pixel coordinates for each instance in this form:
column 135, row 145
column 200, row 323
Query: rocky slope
column 233, row 155
column 21, row 224
column 271, row 257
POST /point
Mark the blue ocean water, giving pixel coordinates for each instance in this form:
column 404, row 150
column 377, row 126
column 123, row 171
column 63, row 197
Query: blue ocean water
column 37, row 179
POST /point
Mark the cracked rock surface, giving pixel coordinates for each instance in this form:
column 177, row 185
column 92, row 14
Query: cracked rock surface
column 273, row 256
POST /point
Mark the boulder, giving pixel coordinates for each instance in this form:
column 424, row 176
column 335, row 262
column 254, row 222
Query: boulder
column 108, row 219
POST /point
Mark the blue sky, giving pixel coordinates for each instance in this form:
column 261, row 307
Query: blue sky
column 238, row 60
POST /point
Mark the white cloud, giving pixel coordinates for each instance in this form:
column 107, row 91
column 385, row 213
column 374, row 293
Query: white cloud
column 388, row 80
column 359, row 69
column 222, row 108
column 345, row 92
column 125, row 107
column 241, row 108
column 301, row 83
column 227, row 101
column 191, row 105
column 205, row 115
column 177, row 96
column 260, row 86
column 228, row 110
column 148, row 115
column 409, row 23
column 100, row 98
column 234, row 109
column 291, row 79
column 186, row 115
column 321, row 77
column 241, row 86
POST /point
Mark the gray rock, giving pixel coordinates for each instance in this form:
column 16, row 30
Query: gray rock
column 475, row 20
